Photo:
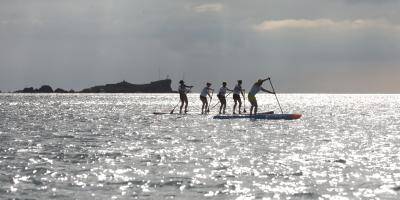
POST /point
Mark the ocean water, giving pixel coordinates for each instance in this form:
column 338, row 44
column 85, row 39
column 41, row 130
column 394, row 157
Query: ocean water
column 111, row 146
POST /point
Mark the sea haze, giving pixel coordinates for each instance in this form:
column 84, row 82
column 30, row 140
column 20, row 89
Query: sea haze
column 111, row 146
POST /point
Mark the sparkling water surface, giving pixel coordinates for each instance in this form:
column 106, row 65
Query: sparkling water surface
column 111, row 146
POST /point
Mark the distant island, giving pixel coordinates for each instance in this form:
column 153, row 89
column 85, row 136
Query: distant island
column 161, row 86
column 43, row 89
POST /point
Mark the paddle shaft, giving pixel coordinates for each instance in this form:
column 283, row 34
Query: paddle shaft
column 220, row 102
column 208, row 108
column 270, row 82
column 172, row 111
column 244, row 102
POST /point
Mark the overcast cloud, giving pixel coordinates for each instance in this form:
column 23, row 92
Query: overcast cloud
column 304, row 45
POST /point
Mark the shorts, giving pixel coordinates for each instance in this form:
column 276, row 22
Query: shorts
column 183, row 97
column 236, row 97
column 252, row 99
column 203, row 99
column 222, row 99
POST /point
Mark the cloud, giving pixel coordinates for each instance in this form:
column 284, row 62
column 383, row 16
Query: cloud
column 273, row 25
column 212, row 7
column 370, row 1
column 103, row 41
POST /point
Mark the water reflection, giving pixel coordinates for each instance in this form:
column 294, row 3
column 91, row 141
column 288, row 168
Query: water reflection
column 111, row 146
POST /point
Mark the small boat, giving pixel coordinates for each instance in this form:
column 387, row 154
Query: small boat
column 267, row 116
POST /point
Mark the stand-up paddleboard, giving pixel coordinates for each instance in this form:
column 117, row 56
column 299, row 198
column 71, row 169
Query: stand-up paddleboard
column 260, row 116
column 161, row 113
column 168, row 113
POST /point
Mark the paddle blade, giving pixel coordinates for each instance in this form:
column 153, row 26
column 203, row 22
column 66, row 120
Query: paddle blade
column 295, row 116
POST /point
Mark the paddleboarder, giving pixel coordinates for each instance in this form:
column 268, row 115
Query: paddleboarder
column 236, row 96
column 252, row 94
column 222, row 98
column 183, row 90
column 203, row 97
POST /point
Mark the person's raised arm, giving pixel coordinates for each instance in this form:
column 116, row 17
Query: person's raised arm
column 266, row 79
column 187, row 86
column 265, row 90
column 187, row 90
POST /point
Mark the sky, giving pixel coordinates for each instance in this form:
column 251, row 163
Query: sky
column 305, row 46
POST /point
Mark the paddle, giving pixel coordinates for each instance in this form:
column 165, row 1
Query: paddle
column 220, row 102
column 244, row 102
column 172, row 111
column 208, row 107
column 270, row 82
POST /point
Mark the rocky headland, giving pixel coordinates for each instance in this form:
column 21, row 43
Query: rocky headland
column 43, row 89
column 161, row 86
